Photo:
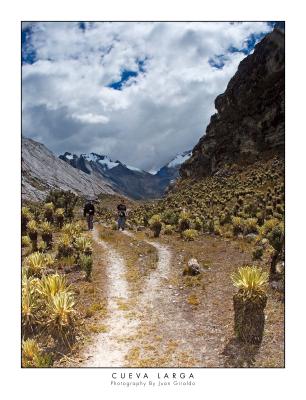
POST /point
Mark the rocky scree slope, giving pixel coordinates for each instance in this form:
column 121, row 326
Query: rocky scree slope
column 43, row 171
column 250, row 122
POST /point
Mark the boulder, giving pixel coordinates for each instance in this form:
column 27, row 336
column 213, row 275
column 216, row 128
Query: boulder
column 192, row 268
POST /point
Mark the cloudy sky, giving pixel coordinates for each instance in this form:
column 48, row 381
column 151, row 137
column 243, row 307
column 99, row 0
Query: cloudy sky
column 139, row 92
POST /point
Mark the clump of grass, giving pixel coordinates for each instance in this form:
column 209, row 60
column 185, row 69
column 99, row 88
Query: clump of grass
column 193, row 300
column 98, row 328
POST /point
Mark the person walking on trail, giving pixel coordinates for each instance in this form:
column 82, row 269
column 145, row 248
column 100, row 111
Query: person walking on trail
column 89, row 211
column 121, row 215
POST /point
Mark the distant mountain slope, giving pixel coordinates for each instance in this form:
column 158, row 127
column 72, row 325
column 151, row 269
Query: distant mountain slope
column 250, row 122
column 42, row 171
column 131, row 181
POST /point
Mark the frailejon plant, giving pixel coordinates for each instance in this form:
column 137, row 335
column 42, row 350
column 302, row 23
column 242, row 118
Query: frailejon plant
column 86, row 263
column 25, row 241
column 250, row 226
column 49, row 212
column 26, row 216
column 29, row 302
column 35, row 264
column 65, row 246
column 46, row 233
column 276, row 238
column 51, row 285
column 190, row 234
column 72, row 229
column 59, row 217
column 238, row 226
column 155, row 224
column 33, row 357
column 168, row 230
column 32, row 229
column 184, row 221
column 63, row 199
column 61, row 314
column 83, row 245
column 41, row 246
column 249, row 303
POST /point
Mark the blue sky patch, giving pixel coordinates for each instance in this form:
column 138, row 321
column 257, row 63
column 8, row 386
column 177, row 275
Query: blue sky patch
column 28, row 53
column 217, row 61
column 82, row 26
column 127, row 74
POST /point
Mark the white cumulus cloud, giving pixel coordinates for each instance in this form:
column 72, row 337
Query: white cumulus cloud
column 69, row 102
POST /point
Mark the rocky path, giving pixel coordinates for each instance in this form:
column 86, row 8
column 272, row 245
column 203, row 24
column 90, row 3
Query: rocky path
column 108, row 351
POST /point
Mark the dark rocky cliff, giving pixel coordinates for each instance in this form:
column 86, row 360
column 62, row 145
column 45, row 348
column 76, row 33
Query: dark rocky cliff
column 250, row 118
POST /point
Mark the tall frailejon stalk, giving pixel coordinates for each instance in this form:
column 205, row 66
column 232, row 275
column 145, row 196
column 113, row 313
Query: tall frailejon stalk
column 49, row 212
column 249, row 303
column 46, row 233
column 33, row 232
column 59, row 217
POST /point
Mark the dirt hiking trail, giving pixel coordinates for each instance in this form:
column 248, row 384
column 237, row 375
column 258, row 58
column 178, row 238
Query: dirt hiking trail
column 108, row 351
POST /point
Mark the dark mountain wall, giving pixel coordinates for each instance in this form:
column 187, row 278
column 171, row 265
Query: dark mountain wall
column 250, row 118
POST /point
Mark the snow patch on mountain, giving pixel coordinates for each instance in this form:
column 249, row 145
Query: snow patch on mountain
column 179, row 159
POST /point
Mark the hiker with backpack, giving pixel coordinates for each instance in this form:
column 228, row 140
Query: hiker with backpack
column 89, row 211
column 121, row 208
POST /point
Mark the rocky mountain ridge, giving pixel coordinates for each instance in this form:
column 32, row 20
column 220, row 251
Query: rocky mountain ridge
column 43, row 171
column 250, row 118
column 129, row 180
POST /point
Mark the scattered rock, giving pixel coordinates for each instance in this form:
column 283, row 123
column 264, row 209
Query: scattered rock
column 251, row 237
column 265, row 242
column 192, row 268
column 280, row 267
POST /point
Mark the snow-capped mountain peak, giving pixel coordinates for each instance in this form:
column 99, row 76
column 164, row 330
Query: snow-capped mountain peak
column 103, row 160
column 179, row 159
